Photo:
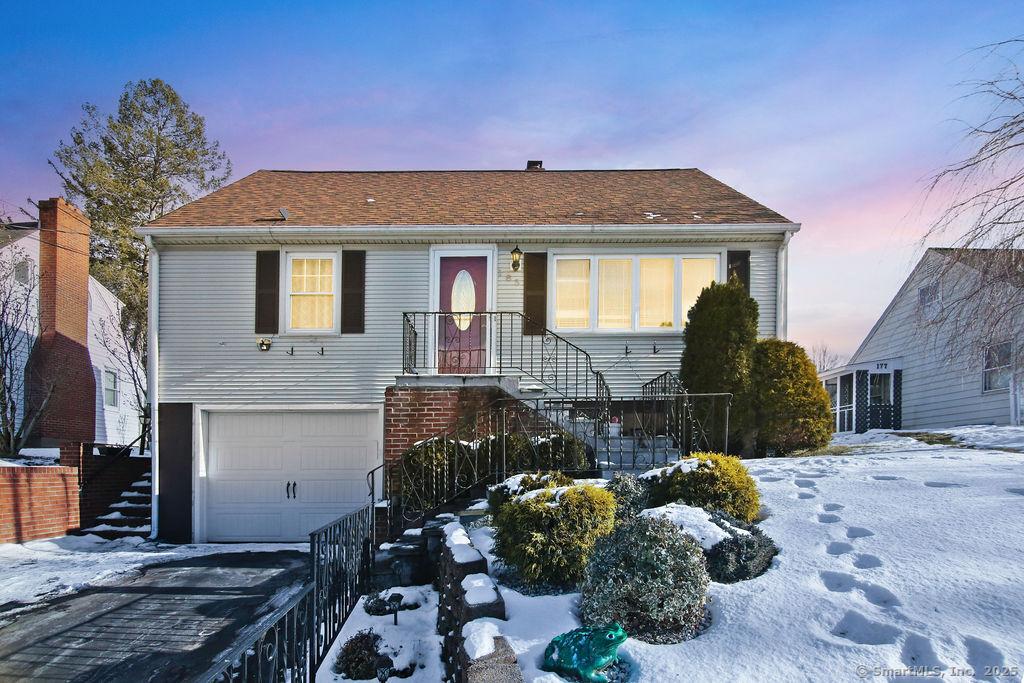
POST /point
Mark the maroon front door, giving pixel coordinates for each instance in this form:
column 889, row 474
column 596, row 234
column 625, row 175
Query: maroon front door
column 461, row 335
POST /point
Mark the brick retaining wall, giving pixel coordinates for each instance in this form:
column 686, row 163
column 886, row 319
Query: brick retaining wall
column 37, row 502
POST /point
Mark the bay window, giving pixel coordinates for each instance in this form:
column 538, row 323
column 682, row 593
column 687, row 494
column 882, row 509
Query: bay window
column 632, row 292
column 312, row 292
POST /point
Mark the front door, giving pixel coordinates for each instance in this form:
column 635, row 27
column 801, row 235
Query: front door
column 462, row 333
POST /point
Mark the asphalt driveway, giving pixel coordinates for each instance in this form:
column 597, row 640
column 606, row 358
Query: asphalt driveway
column 169, row 624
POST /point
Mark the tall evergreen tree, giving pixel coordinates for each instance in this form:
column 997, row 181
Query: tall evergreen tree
column 719, row 338
column 129, row 168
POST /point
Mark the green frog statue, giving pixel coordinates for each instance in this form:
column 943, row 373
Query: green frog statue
column 585, row 651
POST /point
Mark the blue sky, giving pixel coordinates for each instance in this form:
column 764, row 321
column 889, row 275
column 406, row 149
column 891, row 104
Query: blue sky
column 832, row 114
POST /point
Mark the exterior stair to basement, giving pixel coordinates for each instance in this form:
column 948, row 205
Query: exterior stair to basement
column 130, row 515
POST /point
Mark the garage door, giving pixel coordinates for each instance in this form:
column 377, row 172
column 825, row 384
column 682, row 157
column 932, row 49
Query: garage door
column 276, row 476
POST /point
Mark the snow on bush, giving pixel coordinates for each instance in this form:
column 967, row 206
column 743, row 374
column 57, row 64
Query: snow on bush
column 714, row 481
column 362, row 656
column 650, row 577
column 499, row 494
column 548, row 537
column 630, row 495
column 734, row 550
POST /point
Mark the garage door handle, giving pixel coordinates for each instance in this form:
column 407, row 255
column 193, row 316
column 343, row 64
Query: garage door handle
column 295, row 488
column 287, row 489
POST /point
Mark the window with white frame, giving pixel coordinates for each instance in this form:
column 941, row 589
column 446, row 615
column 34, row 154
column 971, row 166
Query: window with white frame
column 929, row 299
column 111, row 389
column 629, row 292
column 312, row 292
column 998, row 367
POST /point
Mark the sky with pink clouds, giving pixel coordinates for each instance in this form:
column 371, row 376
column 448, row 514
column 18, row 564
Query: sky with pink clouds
column 833, row 114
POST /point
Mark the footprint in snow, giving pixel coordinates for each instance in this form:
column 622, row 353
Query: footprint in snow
column 866, row 561
column 884, row 477
column 838, row 582
column 813, row 475
column 769, row 479
column 760, row 472
column 918, row 652
column 805, row 495
column 982, row 655
column 1019, row 492
column 838, row 548
column 944, row 485
column 804, row 483
column 858, row 532
column 857, row 628
column 828, row 518
column 832, row 507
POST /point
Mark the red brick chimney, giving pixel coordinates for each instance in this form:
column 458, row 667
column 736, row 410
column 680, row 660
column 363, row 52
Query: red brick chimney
column 61, row 354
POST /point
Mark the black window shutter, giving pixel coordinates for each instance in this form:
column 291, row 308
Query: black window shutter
column 353, row 291
column 738, row 266
column 535, row 292
column 268, row 278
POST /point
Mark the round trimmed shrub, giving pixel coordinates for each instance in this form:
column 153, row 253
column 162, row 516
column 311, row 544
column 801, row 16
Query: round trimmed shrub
column 548, row 538
column 650, row 577
column 630, row 495
column 500, row 494
column 742, row 556
column 715, row 482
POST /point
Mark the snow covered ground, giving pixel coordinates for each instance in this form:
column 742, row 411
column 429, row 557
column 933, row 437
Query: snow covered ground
column 412, row 641
column 987, row 436
column 895, row 558
column 38, row 570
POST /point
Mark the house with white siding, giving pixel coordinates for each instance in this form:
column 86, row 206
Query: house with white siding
column 915, row 371
column 286, row 304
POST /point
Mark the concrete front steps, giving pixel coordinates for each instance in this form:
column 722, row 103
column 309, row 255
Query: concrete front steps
column 130, row 515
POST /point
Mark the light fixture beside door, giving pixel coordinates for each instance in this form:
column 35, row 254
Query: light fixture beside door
column 517, row 258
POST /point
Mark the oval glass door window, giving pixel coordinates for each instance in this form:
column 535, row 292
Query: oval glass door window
column 463, row 298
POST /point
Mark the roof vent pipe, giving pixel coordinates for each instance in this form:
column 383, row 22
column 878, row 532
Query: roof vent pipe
column 534, row 165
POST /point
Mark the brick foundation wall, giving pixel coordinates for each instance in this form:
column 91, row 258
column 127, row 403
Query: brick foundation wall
column 106, row 488
column 414, row 413
column 37, row 502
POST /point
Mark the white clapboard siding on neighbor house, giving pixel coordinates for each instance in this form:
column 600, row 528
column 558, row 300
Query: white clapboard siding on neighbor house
column 208, row 349
column 936, row 391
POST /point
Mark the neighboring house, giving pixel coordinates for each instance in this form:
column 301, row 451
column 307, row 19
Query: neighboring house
column 93, row 400
column 285, row 304
column 910, row 372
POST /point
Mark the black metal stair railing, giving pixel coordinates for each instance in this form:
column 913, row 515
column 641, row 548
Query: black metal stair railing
column 498, row 342
column 694, row 421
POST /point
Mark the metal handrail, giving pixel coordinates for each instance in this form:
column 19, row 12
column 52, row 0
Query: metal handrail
column 476, row 342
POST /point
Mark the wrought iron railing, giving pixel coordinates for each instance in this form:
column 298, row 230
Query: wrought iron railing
column 279, row 652
column 298, row 636
column 577, row 436
column 339, row 556
column 498, row 342
column 664, row 384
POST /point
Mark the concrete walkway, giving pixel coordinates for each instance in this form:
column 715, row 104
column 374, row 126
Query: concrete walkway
column 166, row 625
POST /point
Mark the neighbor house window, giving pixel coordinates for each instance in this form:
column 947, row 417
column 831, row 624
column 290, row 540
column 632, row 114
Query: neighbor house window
column 572, row 293
column 880, row 389
column 111, row 389
column 312, row 290
column 621, row 293
column 928, row 299
column 997, row 367
column 22, row 271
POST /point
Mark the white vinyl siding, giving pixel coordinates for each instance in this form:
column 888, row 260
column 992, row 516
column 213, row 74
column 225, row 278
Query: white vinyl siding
column 208, row 349
column 936, row 392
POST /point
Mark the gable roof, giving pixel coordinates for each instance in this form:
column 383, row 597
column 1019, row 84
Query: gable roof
column 542, row 197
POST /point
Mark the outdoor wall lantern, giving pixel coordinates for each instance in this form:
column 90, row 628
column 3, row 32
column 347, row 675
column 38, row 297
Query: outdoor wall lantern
column 264, row 344
column 517, row 258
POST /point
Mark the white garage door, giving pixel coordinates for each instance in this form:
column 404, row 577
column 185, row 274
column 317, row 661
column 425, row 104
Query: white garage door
column 276, row 476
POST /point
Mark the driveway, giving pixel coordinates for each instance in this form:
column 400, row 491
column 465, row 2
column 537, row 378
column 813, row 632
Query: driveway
column 168, row 624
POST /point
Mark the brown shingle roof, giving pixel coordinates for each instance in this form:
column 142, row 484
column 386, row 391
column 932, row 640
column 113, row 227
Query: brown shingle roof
column 329, row 198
